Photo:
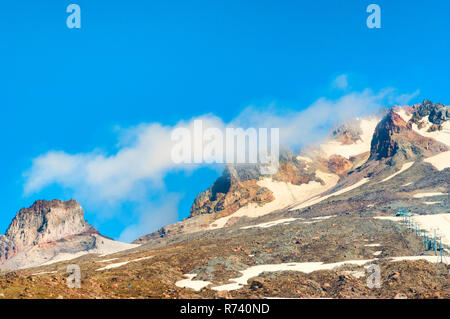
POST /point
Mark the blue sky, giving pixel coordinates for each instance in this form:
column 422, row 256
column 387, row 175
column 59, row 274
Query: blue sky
column 81, row 91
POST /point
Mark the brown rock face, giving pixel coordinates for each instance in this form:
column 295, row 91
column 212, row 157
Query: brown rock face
column 43, row 222
column 383, row 142
column 238, row 186
column 290, row 171
column 229, row 193
column 339, row 165
column 347, row 134
column 394, row 137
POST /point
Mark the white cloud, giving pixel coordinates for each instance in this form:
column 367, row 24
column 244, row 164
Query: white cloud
column 152, row 217
column 404, row 99
column 144, row 155
column 299, row 128
column 341, row 82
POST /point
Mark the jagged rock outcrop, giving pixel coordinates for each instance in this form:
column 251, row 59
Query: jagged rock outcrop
column 43, row 222
column 294, row 170
column 346, row 133
column 339, row 165
column 384, row 143
column 436, row 113
column 7, row 248
column 394, row 137
column 234, row 189
column 238, row 186
column 50, row 231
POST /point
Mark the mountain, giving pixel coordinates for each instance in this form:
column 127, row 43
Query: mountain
column 50, row 231
column 313, row 229
column 355, row 151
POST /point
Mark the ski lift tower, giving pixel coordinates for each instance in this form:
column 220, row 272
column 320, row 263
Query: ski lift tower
column 442, row 258
column 405, row 214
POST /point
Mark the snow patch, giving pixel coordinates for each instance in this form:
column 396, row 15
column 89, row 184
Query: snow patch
column 272, row 223
column 404, row 168
column 116, row 265
column 377, row 253
column 421, row 195
column 442, row 136
column 66, row 256
column 44, row 272
column 317, row 219
column 431, row 259
column 323, row 217
column 318, row 199
column 407, row 184
column 429, row 223
column 306, row 267
column 104, row 247
column 355, row 273
column 403, row 114
column 285, row 195
column 193, row 284
column 304, row 159
column 106, row 260
column 440, row 161
column 361, row 146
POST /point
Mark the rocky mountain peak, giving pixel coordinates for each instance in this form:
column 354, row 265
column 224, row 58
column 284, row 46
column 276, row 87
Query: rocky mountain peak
column 383, row 144
column 436, row 113
column 394, row 136
column 347, row 133
column 43, row 222
column 44, row 206
column 388, row 136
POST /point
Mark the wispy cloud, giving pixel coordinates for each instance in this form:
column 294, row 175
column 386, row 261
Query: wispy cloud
column 404, row 99
column 144, row 154
column 152, row 215
column 300, row 128
column 341, row 82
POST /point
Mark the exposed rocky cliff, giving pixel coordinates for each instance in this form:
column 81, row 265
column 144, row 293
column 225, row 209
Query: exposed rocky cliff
column 48, row 229
column 44, row 221
column 238, row 186
column 394, row 137
column 436, row 113
column 234, row 189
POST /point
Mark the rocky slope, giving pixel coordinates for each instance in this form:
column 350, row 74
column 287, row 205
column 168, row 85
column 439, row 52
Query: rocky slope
column 50, row 231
